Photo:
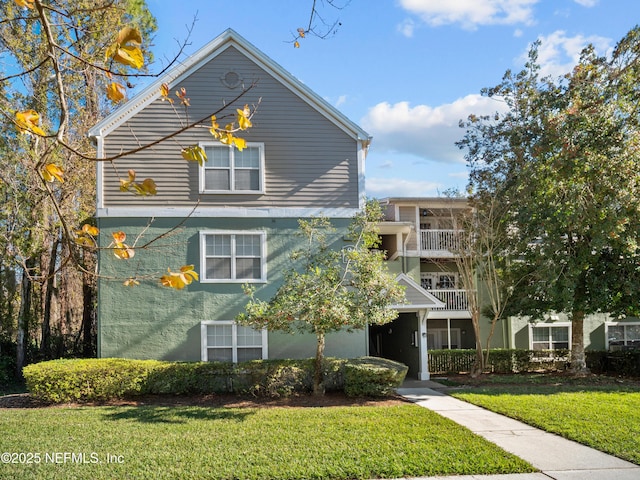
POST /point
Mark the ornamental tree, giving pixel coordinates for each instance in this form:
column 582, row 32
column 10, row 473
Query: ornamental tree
column 328, row 290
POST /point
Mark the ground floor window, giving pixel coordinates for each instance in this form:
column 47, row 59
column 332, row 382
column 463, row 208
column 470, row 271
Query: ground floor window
column 622, row 335
column 550, row 337
column 226, row 341
column 441, row 338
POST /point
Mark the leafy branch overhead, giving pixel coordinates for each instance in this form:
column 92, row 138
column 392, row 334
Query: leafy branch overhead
column 54, row 151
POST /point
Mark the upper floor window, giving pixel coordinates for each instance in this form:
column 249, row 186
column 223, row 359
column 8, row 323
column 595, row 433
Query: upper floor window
column 229, row 170
column 233, row 256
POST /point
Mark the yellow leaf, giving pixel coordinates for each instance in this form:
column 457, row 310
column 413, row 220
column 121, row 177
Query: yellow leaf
column 166, row 281
column 128, row 55
column 119, row 237
column 301, row 32
column 131, row 282
column 149, row 186
column 188, row 271
column 52, row 172
column 146, row 187
column 129, row 35
column 25, row 3
column 296, row 44
column 164, row 93
column 28, row 121
column 182, row 95
column 126, row 48
column 85, row 236
column 239, row 143
column 125, row 185
column 123, row 252
column 243, row 118
column 90, row 230
column 194, row 153
column 85, row 241
column 181, row 279
column 116, row 92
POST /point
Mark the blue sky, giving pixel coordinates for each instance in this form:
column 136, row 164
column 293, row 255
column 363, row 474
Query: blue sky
column 406, row 70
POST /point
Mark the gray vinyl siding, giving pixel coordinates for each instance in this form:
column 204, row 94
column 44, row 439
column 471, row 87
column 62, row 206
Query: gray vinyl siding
column 309, row 161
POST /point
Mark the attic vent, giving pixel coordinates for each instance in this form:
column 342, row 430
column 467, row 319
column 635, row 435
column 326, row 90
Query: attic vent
column 231, row 79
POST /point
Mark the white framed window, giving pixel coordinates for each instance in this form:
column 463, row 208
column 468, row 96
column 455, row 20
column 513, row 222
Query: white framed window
column 229, row 170
column 233, row 256
column 554, row 336
column 226, row 341
column 622, row 335
column 438, row 281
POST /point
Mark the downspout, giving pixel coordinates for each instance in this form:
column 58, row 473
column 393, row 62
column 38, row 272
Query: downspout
column 404, row 252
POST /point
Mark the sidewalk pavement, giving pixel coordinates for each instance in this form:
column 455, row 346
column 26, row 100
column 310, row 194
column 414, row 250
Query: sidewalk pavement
column 556, row 457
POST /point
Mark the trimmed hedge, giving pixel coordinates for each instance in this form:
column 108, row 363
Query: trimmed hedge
column 90, row 380
column 373, row 377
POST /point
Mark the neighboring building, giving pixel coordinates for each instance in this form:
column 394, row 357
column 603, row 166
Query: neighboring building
column 419, row 236
column 420, row 239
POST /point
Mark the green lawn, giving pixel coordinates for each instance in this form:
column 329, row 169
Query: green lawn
column 597, row 412
column 244, row 443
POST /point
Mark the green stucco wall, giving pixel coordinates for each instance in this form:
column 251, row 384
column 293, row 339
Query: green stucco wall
column 155, row 322
column 594, row 329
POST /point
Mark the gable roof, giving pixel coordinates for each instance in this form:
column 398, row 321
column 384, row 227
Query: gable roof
column 417, row 298
column 212, row 49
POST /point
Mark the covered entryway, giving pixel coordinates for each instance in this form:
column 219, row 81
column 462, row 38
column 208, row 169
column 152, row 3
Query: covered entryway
column 398, row 341
column 405, row 339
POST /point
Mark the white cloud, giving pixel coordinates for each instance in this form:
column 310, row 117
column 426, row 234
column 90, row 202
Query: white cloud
column 471, row 13
column 427, row 132
column 341, row 99
column 558, row 53
column 407, row 27
column 396, row 187
column 586, row 3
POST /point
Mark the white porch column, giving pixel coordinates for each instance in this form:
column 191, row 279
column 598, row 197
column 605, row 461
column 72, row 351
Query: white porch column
column 449, row 333
column 423, row 374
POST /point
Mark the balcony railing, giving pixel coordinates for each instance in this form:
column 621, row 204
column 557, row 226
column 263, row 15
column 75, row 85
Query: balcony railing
column 454, row 299
column 440, row 240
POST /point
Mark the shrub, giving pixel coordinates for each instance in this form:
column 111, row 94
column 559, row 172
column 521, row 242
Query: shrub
column 7, row 370
column 186, row 378
column 89, row 380
column 82, row 380
column 274, row 378
column 372, row 377
column 624, row 362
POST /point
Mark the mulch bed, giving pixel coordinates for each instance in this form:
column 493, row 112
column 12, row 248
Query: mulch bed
column 332, row 399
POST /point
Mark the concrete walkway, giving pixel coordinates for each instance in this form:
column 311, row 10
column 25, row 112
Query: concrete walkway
column 556, row 457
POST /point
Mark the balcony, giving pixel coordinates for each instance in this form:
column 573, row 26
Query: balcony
column 440, row 243
column 454, row 299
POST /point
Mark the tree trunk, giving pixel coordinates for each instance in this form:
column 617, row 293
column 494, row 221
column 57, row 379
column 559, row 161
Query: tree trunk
column 45, row 343
column 318, row 376
column 88, row 311
column 494, row 321
column 578, row 361
column 24, row 316
column 478, row 365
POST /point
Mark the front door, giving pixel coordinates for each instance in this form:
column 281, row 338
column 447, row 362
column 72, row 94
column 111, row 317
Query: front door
column 398, row 340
